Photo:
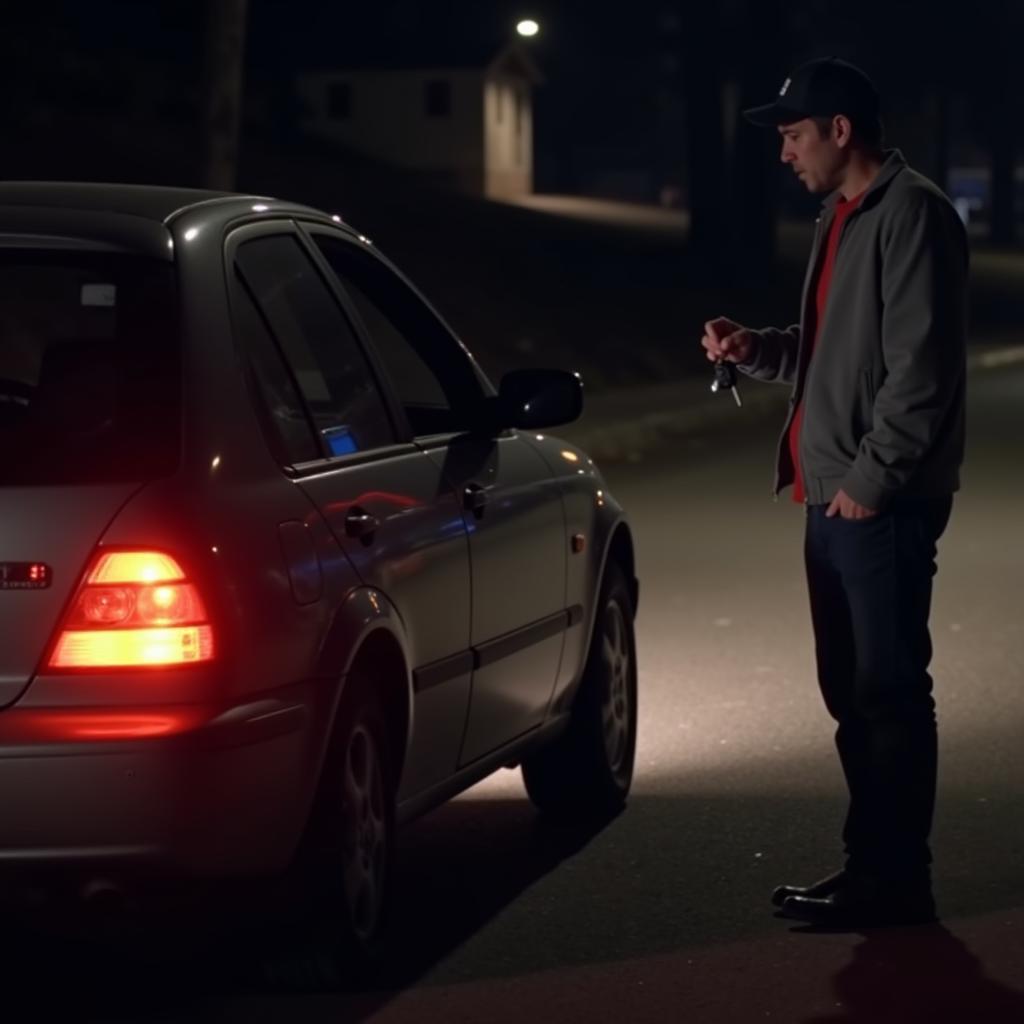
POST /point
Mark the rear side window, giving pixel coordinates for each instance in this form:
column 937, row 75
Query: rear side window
column 89, row 368
column 286, row 425
column 319, row 345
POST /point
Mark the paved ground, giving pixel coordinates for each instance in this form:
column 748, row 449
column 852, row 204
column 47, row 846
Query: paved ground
column 663, row 915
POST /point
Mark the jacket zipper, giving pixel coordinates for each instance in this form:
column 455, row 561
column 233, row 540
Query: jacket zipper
column 814, row 255
column 807, row 375
column 797, row 396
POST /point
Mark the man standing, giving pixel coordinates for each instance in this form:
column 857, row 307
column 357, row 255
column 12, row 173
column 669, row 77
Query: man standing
column 872, row 446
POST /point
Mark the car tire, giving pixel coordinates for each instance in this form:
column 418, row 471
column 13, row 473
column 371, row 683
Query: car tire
column 589, row 768
column 343, row 876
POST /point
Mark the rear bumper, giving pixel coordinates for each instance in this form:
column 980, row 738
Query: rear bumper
column 192, row 790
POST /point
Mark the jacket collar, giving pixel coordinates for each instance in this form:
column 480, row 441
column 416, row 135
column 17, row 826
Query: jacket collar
column 893, row 164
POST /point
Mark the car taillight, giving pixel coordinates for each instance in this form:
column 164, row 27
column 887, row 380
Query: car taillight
column 134, row 609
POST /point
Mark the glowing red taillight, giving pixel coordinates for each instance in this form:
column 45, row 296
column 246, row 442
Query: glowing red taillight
column 135, row 608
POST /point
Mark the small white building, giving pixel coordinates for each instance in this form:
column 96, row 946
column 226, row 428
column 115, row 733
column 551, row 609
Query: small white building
column 465, row 120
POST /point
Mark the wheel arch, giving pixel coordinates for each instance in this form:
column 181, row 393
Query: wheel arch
column 367, row 647
column 380, row 664
column 620, row 549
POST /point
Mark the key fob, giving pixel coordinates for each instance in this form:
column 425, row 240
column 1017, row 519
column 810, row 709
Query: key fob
column 725, row 376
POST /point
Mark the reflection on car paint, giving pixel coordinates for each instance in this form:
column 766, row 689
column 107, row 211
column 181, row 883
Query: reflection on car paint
column 374, row 497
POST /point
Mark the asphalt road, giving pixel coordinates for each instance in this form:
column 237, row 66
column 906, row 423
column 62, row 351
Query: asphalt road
column 663, row 914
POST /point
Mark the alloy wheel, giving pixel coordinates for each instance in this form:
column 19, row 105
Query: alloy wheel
column 364, row 848
column 616, row 697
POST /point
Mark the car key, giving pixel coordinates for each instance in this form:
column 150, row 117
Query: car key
column 725, row 378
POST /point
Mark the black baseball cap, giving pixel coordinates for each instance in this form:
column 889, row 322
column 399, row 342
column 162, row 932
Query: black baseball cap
column 819, row 88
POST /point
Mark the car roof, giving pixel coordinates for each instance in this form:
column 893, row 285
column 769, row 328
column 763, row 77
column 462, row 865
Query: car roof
column 137, row 216
column 152, row 202
column 159, row 203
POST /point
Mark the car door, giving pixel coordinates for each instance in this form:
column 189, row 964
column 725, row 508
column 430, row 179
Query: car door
column 511, row 505
column 387, row 503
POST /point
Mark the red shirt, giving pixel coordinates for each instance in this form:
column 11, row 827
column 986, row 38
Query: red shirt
column 825, row 267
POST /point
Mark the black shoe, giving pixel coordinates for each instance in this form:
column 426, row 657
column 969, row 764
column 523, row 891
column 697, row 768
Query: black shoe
column 863, row 903
column 818, row 890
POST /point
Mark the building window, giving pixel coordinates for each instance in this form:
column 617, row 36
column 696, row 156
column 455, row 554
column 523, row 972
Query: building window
column 438, row 97
column 339, row 100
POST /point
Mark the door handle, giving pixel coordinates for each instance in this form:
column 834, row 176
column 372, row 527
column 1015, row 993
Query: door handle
column 360, row 524
column 474, row 499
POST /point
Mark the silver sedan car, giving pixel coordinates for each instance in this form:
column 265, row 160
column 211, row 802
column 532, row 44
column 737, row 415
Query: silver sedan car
column 279, row 567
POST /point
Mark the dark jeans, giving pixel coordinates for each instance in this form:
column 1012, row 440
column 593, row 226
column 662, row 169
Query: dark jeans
column 870, row 584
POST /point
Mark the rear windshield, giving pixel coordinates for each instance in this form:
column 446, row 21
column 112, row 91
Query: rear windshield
column 89, row 368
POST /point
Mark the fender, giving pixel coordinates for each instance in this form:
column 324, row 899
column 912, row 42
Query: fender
column 592, row 513
column 362, row 613
column 618, row 543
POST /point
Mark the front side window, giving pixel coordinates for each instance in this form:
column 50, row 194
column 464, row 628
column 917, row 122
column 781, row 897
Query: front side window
column 318, row 344
column 434, row 380
column 89, row 368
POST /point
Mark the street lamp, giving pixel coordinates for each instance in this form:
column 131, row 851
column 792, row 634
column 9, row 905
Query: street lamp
column 528, row 27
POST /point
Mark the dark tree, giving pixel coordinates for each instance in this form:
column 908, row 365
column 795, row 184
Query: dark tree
column 1000, row 107
column 763, row 62
column 735, row 56
column 703, row 83
column 222, row 94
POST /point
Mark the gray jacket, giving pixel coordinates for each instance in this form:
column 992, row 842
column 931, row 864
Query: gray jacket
column 884, row 394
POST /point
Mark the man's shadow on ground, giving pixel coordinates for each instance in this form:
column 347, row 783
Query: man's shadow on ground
column 922, row 975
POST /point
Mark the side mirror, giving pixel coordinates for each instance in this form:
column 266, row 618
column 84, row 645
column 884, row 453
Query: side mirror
column 531, row 399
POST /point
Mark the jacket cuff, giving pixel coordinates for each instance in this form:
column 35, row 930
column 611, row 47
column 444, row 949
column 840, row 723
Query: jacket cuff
column 756, row 362
column 865, row 492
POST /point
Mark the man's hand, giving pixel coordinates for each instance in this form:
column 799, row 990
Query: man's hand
column 846, row 508
column 727, row 340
